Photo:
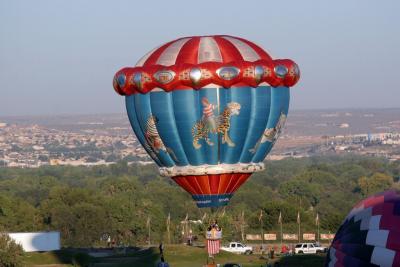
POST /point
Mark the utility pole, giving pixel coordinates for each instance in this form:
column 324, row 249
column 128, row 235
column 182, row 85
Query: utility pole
column 280, row 223
column 242, row 222
column 299, row 222
column 168, row 225
column 317, row 223
column 148, row 227
column 298, row 218
column 262, row 228
column 281, row 236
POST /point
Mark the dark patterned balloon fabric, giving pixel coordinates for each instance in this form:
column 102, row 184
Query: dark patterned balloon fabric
column 208, row 109
column 370, row 234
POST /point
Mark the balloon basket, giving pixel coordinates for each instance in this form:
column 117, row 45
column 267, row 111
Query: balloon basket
column 213, row 239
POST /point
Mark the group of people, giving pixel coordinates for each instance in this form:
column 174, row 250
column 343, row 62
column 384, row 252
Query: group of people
column 270, row 250
column 214, row 226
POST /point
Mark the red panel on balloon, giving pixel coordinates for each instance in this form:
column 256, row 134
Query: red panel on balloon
column 197, row 61
column 211, row 184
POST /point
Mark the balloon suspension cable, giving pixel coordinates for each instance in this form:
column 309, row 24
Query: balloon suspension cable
column 216, row 213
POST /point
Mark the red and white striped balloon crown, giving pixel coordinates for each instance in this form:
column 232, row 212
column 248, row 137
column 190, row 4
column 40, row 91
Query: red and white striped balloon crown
column 199, row 61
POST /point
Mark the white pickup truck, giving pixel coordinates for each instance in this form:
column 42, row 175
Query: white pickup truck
column 239, row 248
column 309, row 248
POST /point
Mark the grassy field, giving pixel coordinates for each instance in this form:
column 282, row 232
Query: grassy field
column 176, row 255
column 60, row 258
column 189, row 256
column 303, row 261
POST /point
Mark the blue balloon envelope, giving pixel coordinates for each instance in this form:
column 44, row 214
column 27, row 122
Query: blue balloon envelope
column 208, row 110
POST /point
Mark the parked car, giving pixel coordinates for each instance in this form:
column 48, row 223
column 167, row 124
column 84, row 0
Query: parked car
column 232, row 265
column 236, row 247
column 308, row 248
column 320, row 248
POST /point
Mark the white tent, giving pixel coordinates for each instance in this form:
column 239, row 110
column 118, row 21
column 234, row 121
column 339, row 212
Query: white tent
column 39, row 241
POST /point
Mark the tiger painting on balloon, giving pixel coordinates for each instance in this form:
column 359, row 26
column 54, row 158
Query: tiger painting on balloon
column 209, row 123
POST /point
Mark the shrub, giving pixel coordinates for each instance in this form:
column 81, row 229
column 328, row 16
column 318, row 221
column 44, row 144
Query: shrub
column 11, row 253
column 81, row 260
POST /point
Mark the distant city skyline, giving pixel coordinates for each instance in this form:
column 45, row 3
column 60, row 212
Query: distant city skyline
column 59, row 57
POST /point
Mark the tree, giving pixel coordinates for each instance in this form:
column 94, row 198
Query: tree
column 89, row 223
column 375, row 183
column 78, row 213
column 10, row 253
column 43, row 158
column 86, row 202
column 303, row 190
column 16, row 214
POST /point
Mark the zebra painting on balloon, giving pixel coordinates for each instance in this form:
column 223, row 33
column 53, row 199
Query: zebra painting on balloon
column 270, row 134
column 154, row 142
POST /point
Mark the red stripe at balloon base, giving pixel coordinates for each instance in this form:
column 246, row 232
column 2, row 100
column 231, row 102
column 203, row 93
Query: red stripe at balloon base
column 206, row 189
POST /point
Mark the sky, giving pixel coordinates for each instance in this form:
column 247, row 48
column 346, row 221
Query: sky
column 59, row 56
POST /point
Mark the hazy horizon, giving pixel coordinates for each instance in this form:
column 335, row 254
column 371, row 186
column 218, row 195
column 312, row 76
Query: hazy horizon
column 59, row 57
column 124, row 113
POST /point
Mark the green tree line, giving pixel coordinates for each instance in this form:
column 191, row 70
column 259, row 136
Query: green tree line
column 84, row 203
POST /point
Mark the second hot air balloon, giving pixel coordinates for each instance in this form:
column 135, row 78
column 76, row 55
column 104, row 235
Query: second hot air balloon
column 208, row 109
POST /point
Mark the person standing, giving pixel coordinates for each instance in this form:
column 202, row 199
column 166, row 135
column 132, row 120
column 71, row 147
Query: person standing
column 162, row 263
column 208, row 115
column 161, row 248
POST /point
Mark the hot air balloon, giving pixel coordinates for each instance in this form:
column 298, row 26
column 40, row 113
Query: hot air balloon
column 369, row 235
column 208, row 109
